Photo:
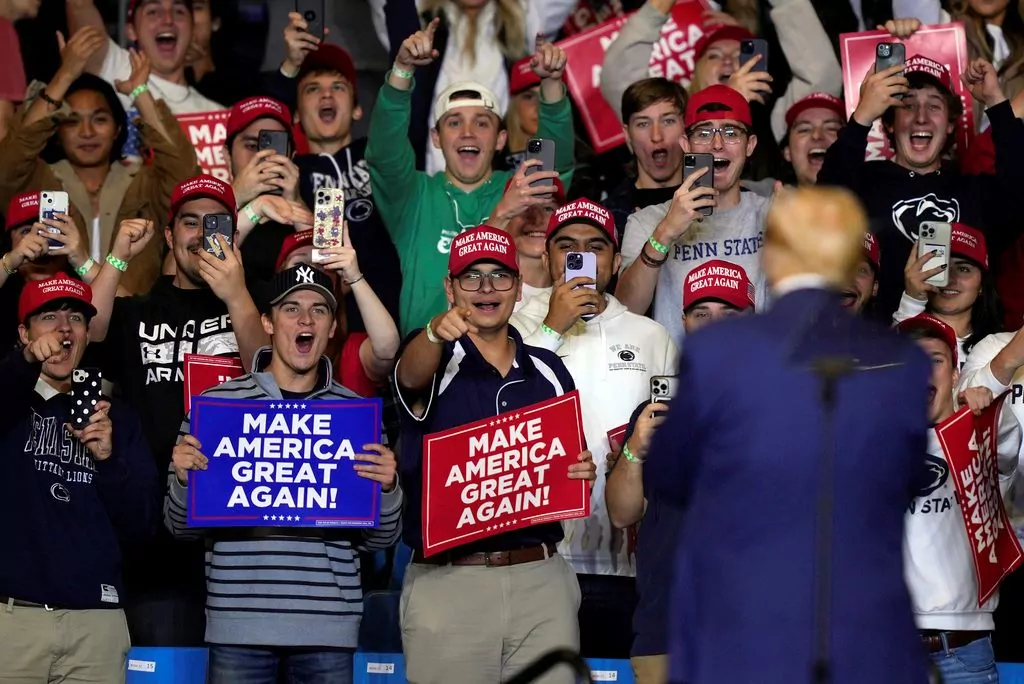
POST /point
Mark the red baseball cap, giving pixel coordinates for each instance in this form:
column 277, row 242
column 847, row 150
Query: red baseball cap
column 522, row 76
column 919, row 64
column 202, row 186
column 730, row 105
column 970, row 243
column 254, row 108
column 38, row 293
column 582, row 211
column 720, row 33
column 294, row 241
column 815, row 101
column 559, row 194
column 872, row 250
column 938, row 328
column 24, row 208
column 482, row 243
column 329, row 57
column 721, row 280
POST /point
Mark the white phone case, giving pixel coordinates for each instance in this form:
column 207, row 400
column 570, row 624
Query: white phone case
column 52, row 202
column 935, row 237
column 328, row 220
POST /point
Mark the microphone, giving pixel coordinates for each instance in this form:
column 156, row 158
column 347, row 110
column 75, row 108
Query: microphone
column 829, row 369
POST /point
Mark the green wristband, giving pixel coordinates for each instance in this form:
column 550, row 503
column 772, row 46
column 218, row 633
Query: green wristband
column 84, row 269
column 548, row 330
column 401, row 73
column 120, row 264
column 629, row 455
column 657, row 245
column 251, row 214
column 138, row 90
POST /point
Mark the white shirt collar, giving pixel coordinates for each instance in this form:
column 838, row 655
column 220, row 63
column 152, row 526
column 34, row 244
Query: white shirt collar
column 801, row 281
column 45, row 390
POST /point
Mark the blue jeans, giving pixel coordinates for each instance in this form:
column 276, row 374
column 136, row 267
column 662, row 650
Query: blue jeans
column 252, row 665
column 974, row 663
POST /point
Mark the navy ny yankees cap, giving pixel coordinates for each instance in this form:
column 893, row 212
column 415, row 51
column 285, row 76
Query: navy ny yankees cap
column 302, row 277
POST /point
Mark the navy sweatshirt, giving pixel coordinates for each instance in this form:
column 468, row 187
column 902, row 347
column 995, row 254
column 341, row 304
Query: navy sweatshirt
column 65, row 514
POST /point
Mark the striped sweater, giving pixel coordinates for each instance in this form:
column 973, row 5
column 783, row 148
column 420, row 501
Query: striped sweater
column 268, row 587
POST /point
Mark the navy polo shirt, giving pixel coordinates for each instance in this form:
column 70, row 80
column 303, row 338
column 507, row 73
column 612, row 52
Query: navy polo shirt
column 655, row 555
column 467, row 388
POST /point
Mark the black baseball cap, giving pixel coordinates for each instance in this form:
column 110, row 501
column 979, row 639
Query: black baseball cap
column 302, row 277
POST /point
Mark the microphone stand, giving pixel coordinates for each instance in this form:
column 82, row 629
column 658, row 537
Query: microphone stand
column 539, row 667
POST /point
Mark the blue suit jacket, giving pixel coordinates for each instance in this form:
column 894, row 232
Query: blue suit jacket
column 739, row 454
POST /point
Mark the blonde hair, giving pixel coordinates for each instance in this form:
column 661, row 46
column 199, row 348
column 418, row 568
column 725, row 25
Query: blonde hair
column 509, row 24
column 978, row 39
column 814, row 230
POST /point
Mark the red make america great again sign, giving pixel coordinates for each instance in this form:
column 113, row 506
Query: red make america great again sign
column 503, row 473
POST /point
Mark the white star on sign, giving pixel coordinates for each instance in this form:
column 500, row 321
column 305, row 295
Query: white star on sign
column 517, row 416
column 289, row 518
column 303, row 406
column 491, row 424
column 266, row 517
column 298, row 519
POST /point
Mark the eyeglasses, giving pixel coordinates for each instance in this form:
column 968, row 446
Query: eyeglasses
column 501, row 281
column 731, row 135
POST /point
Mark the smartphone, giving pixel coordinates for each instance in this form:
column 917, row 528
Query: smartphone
column 278, row 142
column 540, row 148
column 86, row 390
column 328, row 220
column 888, row 55
column 749, row 49
column 582, row 265
column 693, row 162
column 312, row 12
column 663, row 388
column 51, row 203
column 214, row 225
column 935, row 237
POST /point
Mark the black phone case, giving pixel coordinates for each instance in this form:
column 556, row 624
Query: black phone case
column 277, row 141
column 86, row 390
column 750, row 49
column 313, row 12
column 214, row 224
column 693, row 162
column 546, row 154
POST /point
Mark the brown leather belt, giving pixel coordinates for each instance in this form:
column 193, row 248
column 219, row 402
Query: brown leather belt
column 7, row 600
column 932, row 639
column 491, row 559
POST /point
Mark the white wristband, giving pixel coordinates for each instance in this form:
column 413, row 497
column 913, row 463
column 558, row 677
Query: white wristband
column 431, row 337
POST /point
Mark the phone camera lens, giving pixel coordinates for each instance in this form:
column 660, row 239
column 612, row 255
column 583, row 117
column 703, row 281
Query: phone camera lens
column 534, row 146
column 884, row 50
column 310, row 15
column 575, row 262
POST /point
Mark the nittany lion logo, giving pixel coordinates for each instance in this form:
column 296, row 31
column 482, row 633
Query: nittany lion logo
column 907, row 215
column 938, row 473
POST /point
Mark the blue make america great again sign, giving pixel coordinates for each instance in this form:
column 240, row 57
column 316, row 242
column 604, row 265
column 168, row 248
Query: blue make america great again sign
column 280, row 463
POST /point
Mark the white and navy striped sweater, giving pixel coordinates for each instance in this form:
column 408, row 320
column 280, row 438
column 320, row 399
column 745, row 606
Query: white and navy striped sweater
column 269, row 587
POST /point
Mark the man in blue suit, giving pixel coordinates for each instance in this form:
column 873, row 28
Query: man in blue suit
column 776, row 491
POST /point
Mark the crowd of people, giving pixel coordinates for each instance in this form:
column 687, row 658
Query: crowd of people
column 448, row 295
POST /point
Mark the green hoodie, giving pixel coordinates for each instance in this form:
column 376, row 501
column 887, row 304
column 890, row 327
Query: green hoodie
column 424, row 213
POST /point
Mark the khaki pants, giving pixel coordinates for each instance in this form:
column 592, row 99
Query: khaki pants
column 39, row 646
column 480, row 625
column 650, row 669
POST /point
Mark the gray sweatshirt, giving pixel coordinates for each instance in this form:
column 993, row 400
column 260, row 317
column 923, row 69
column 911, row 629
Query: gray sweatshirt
column 283, row 587
column 733, row 235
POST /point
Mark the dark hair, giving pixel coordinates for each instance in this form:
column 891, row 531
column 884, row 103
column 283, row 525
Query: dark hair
column 924, row 333
column 986, row 312
column 53, row 152
column 230, row 140
column 60, row 305
column 954, row 108
column 648, row 91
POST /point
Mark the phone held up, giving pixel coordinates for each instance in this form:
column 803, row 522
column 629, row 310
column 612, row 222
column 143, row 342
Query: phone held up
column 749, row 49
column 664, row 388
column 328, row 221
column 52, row 203
column 278, row 142
column 214, row 225
column 312, row 12
column 935, row 237
column 889, row 55
column 544, row 150
column 582, row 265
column 86, row 389
column 694, row 162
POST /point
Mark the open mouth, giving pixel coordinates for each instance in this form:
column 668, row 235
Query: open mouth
column 659, row 157
column 724, row 77
column 816, row 156
column 468, row 153
column 920, row 140
column 327, row 113
column 848, row 298
column 947, row 292
column 931, row 393
column 721, row 164
column 487, row 306
column 193, row 247
column 304, row 342
column 166, row 42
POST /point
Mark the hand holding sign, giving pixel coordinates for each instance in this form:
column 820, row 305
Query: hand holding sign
column 187, row 456
column 585, row 469
column 418, row 49
column 453, row 324
column 878, row 92
column 383, row 468
column 549, row 60
column 976, row 398
column 139, row 74
column 982, row 82
column 901, row 28
column 96, row 436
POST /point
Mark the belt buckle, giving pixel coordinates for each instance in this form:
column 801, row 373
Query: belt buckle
column 487, row 560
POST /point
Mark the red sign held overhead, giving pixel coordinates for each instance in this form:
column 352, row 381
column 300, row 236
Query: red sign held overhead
column 203, row 372
column 969, row 444
column 672, row 59
column 503, row 473
column 945, row 43
column 207, row 133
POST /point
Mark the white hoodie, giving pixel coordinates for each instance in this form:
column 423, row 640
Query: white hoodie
column 937, row 561
column 611, row 358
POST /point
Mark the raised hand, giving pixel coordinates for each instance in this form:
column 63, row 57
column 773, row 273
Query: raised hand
column 549, row 60
column 418, row 49
column 76, row 52
column 982, row 81
column 453, row 324
column 878, row 92
column 139, row 75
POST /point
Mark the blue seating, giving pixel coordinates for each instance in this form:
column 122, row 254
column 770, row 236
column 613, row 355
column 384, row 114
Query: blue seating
column 149, row 665
column 379, row 631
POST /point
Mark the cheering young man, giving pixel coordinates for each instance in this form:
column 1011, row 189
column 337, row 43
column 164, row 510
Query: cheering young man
column 467, row 364
column 278, row 599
